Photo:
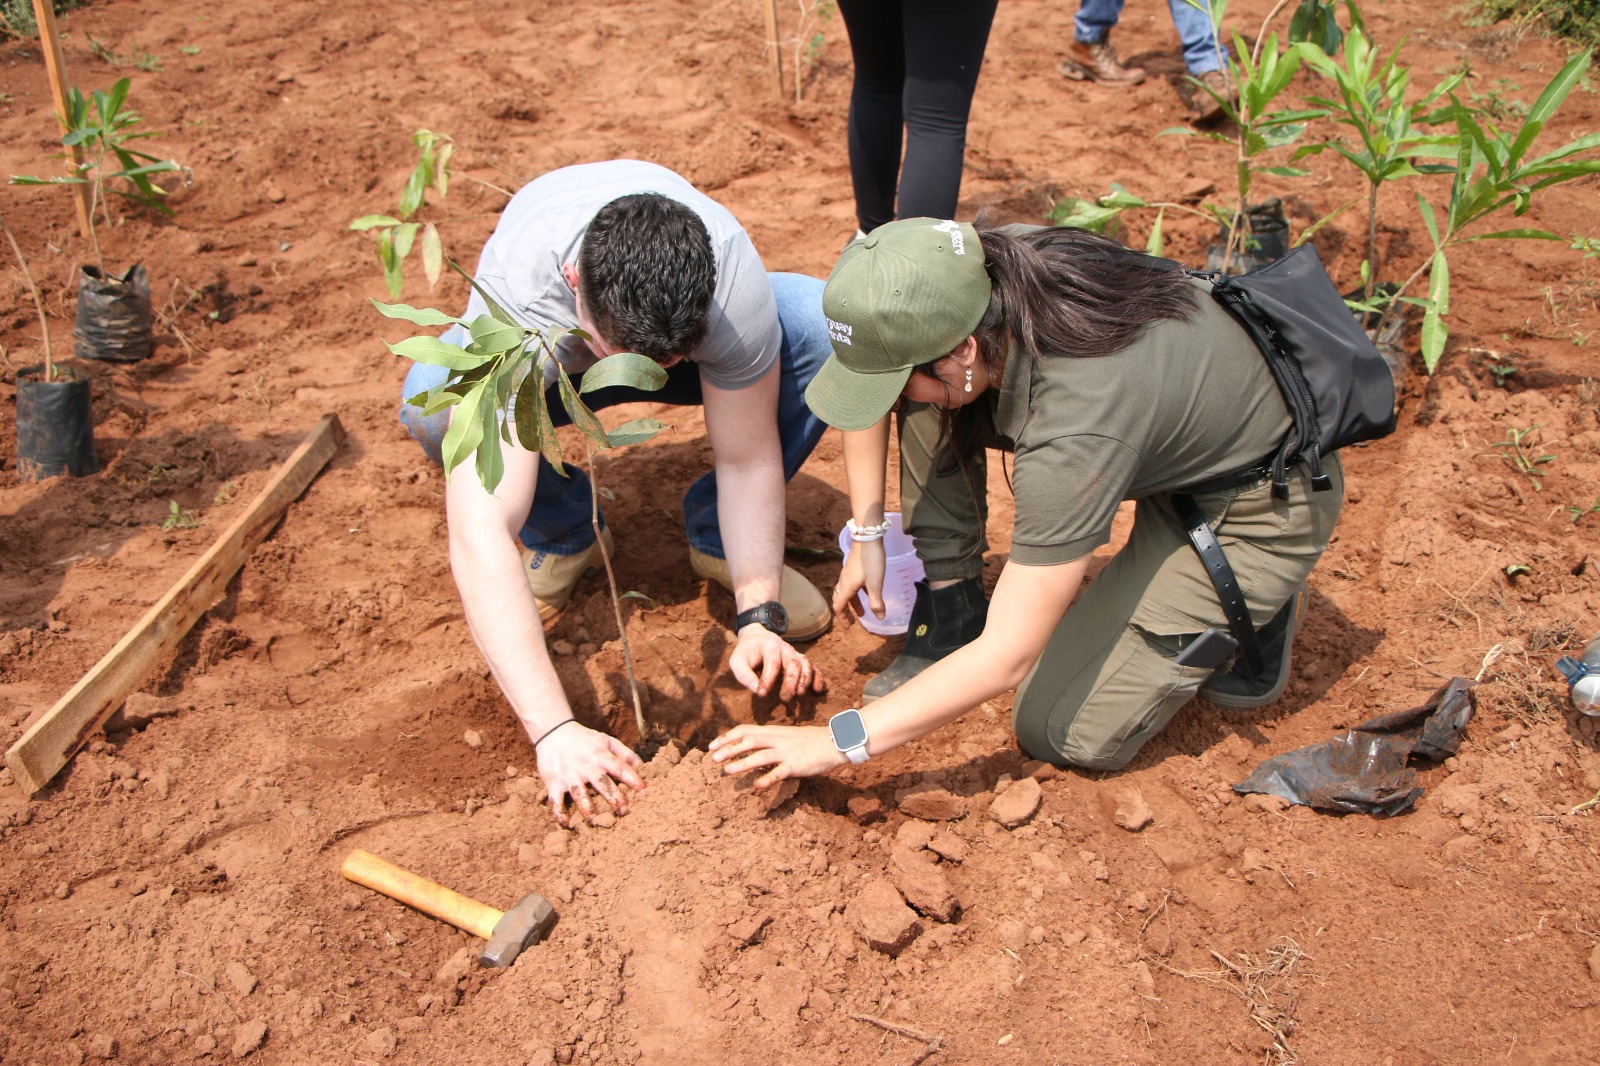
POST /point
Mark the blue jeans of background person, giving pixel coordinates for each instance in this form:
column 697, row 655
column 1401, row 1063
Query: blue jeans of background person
column 1201, row 53
column 559, row 522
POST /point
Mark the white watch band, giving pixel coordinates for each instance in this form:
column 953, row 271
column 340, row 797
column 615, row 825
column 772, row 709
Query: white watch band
column 856, row 754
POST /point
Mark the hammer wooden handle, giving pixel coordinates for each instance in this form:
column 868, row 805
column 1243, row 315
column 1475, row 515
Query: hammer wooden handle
column 468, row 915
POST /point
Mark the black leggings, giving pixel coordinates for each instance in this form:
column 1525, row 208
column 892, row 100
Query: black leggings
column 916, row 66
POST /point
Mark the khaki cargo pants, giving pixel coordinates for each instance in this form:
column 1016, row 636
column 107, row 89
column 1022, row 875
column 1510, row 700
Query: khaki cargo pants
column 1106, row 682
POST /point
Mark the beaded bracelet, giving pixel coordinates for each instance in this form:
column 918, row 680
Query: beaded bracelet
column 860, row 533
column 552, row 729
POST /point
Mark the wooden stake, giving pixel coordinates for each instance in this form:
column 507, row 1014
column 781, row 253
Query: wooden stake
column 773, row 51
column 55, row 65
column 55, row 737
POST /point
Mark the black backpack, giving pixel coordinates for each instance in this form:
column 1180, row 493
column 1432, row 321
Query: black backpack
column 1334, row 381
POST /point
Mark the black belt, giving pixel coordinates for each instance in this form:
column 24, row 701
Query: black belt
column 1222, row 579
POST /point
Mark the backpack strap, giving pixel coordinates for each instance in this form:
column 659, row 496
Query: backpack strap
column 1205, row 544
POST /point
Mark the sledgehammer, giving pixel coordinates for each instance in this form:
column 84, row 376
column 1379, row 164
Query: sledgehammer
column 507, row 933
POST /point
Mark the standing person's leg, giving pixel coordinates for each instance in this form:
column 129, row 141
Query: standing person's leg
column 944, row 46
column 1107, row 681
column 1089, row 54
column 875, row 106
column 1201, row 49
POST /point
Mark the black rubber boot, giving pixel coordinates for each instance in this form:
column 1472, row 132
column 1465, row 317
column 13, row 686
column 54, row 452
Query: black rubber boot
column 942, row 620
column 1238, row 687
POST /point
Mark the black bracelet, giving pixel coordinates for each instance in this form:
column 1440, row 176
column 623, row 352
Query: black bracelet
column 552, row 729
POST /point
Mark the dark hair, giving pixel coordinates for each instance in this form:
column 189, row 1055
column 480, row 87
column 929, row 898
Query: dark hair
column 646, row 273
column 1070, row 292
column 1057, row 291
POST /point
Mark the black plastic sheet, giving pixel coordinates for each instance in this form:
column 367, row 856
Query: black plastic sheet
column 113, row 319
column 1367, row 771
column 55, row 427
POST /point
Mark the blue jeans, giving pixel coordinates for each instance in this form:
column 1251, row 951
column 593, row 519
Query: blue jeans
column 1201, row 52
column 559, row 523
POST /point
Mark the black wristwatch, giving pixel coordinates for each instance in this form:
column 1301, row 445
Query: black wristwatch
column 770, row 615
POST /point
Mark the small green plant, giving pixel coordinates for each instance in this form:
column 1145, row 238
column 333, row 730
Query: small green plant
column 809, row 40
column 148, row 62
column 102, row 125
column 496, row 393
column 1372, row 103
column 1493, row 170
column 1496, row 104
column 1516, row 570
column 223, row 496
column 181, row 518
column 189, row 49
column 1501, row 365
column 1577, row 511
column 396, row 235
column 1519, row 453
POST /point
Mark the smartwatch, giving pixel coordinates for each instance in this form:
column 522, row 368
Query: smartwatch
column 849, row 732
column 770, row 615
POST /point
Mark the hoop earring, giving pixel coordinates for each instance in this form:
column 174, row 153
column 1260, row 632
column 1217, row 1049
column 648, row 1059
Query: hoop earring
column 969, row 380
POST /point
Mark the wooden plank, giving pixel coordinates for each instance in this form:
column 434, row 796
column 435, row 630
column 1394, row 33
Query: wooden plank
column 774, row 52
column 55, row 65
column 51, row 741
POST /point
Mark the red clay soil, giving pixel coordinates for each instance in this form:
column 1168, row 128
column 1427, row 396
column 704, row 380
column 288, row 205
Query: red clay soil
column 175, row 895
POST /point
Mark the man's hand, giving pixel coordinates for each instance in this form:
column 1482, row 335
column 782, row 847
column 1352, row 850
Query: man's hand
column 761, row 656
column 791, row 751
column 574, row 759
column 862, row 570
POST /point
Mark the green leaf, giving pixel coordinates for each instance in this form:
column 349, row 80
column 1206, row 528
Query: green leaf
column 632, row 595
column 636, row 432
column 432, row 254
column 581, row 416
column 529, row 394
column 391, row 263
column 549, row 443
column 465, row 431
column 426, row 316
column 491, row 336
column 1155, row 245
column 441, row 167
column 435, row 352
column 491, row 464
column 1523, row 234
column 1426, row 209
column 625, row 368
column 1434, row 331
column 1284, row 172
column 404, row 236
column 415, row 188
column 1549, row 100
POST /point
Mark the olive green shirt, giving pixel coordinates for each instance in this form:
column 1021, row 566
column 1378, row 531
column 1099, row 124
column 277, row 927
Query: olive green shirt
column 1186, row 402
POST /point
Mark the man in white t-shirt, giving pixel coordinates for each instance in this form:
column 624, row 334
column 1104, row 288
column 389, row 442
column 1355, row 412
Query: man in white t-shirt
column 642, row 261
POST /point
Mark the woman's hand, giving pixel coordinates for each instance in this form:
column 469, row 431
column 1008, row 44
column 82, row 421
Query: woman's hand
column 863, row 569
column 574, row 759
column 790, row 751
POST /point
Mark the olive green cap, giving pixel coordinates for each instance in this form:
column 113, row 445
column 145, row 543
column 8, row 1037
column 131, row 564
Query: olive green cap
column 904, row 295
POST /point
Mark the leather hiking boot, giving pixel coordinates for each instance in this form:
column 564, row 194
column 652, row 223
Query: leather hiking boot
column 810, row 614
column 1203, row 104
column 553, row 577
column 942, row 620
column 1098, row 62
column 1240, row 688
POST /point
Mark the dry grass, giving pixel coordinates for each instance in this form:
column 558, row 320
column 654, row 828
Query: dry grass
column 1267, row 987
column 1521, row 683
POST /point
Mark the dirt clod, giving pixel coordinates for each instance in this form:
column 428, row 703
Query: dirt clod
column 248, row 1037
column 1132, row 812
column 1017, row 803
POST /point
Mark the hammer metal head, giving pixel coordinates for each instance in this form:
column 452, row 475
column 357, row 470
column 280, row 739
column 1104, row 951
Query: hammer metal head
column 519, row 928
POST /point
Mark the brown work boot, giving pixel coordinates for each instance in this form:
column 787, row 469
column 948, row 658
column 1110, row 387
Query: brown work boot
column 1206, row 108
column 1098, row 62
